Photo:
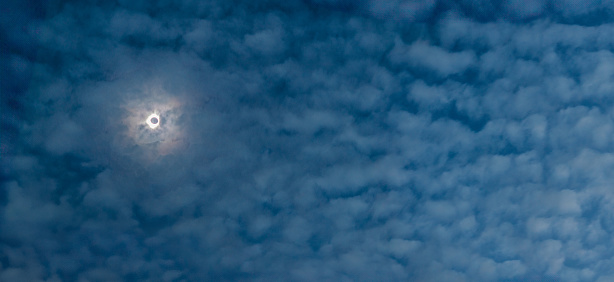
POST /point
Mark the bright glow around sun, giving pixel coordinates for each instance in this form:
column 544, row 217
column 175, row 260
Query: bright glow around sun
column 153, row 121
column 145, row 128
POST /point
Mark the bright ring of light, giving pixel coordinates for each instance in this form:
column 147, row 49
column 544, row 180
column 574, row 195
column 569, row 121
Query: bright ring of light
column 153, row 121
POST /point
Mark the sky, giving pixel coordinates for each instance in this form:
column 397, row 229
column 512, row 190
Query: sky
column 307, row 140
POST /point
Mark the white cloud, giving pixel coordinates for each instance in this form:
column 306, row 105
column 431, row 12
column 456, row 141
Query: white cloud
column 422, row 56
column 309, row 140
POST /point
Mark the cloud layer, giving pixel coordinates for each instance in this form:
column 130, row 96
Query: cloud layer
column 316, row 140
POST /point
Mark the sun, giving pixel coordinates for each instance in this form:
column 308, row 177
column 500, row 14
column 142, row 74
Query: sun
column 153, row 121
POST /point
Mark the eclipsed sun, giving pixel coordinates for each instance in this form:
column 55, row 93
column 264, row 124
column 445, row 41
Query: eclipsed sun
column 153, row 121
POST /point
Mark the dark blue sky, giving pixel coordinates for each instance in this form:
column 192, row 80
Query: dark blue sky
column 313, row 140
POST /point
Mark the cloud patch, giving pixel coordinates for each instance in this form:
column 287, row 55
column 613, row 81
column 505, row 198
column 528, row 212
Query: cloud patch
column 307, row 140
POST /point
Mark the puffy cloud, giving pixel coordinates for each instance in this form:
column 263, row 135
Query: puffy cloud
column 307, row 140
column 428, row 58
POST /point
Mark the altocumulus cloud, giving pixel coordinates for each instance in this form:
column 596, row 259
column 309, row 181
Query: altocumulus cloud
column 315, row 140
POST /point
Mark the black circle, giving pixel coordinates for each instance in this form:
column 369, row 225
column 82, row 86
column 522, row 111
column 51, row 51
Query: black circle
column 154, row 120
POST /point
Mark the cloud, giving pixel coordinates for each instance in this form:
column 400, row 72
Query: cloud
column 425, row 58
column 306, row 140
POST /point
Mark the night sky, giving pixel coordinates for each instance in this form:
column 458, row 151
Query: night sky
column 307, row 140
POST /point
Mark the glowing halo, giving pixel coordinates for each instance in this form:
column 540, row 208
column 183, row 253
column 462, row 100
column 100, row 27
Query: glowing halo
column 144, row 139
column 153, row 121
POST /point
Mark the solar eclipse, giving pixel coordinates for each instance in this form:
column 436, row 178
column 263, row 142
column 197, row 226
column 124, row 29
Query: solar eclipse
column 153, row 121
